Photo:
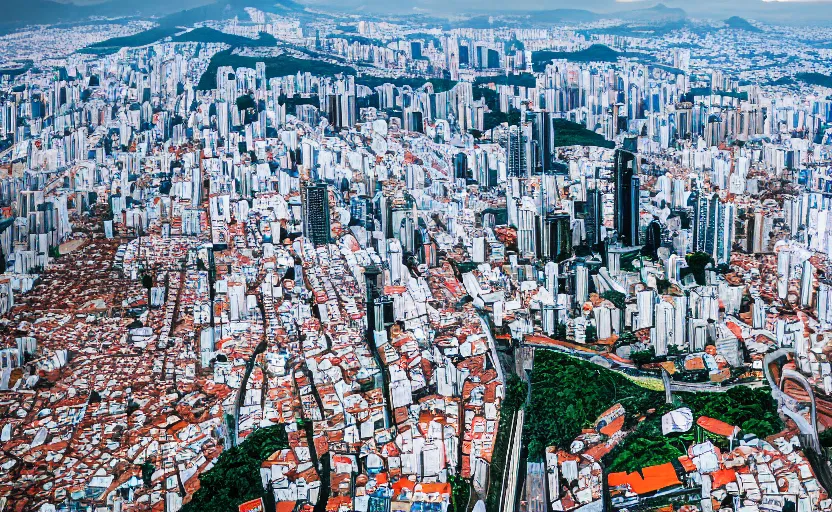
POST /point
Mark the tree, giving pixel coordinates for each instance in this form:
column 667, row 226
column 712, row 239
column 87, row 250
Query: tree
column 515, row 394
column 642, row 357
column 245, row 102
column 235, row 477
column 147, row 474
column 723, row 268
column 627, row 338
column 697, row 261
column 591, row 334
column 826, row 438
column 460, row 493
column 568, row 394
column 147, row 283
column 618, row 299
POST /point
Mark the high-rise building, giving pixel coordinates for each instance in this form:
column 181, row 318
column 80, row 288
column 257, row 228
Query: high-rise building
column 315, row 199
column 525, row 231
column 514, row 144
column 627, row 187
column 556, row 237
column 593, row 216
column 724, row 235
column 460, row 166
column 713, row 229
column 543, row 137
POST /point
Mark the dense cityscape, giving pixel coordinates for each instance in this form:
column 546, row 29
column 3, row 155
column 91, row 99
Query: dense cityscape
column 267, row 256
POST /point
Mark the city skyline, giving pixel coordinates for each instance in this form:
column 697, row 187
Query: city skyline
column 279, row 256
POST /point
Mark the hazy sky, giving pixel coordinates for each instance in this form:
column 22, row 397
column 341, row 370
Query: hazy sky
column 772, row 10
column 816, row 11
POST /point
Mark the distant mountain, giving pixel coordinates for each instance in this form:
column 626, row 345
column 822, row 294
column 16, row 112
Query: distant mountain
column 16, row 14
column 595, row 53
column 559, row 15
column 36, row 11
column 658, row 13
column 737, row 23
column 46, row 12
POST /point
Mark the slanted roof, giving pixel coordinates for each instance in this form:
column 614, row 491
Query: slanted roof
column 651, row 479
column 716, row 426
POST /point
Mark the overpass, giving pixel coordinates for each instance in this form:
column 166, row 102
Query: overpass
column 794, row 410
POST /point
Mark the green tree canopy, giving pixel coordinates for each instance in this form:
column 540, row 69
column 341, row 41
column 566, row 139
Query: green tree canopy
column 235, row 478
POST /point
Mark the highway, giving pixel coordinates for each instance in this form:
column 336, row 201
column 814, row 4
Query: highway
column 536, row 487
column 509, row 498
column 705, row 387
column 791, row 408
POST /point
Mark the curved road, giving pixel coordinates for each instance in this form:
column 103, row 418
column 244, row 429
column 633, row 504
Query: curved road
column 791, row 409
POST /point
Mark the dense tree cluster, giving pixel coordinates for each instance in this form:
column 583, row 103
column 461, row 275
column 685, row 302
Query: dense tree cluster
column 753, row 410
column 235, row 478
column 618, row 299
column 697, row 261
column 647, row 446
column 515, row 394
column 568, row 394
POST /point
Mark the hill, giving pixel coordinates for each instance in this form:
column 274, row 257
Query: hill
column 568, row 133
column 281, row 65
column 557, row 15
column 737, row 23
column 113, row 44
column 815, row 79
column 595, row 53
column 210, row 35
column 658, row 13
column 17, row 14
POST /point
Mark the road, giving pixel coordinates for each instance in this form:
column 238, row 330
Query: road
column 690, row 387
column 536, row 487
column 492, row 345
column 791, row 408
column 509, row 497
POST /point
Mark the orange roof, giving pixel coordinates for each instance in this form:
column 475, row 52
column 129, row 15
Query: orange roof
column 687, row 463
column 653, row 478
column 723, row 477
column 734, row 328
column 716, row 426
column 403, row 483
column 441, row 488
column 286, row 506
column 614, row 426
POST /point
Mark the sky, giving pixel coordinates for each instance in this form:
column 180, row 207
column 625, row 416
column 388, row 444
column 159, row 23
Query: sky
column 766, row 10
column 816, row 11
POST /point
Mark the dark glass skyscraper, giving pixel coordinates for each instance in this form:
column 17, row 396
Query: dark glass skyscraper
column 556, row 239
column 460, row 166
column 593, row 216
column 315, row 200
column 626, row 197
column 543, row 134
